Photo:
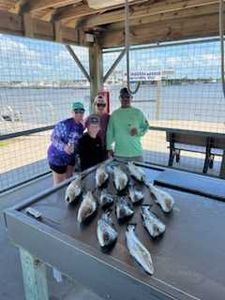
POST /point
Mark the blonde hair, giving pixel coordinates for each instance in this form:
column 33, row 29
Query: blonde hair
column 98, row 98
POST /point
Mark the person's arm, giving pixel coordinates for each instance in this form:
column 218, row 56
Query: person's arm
column 110, row 134
column 57, row 136
column 144, row 126
column 82, row 151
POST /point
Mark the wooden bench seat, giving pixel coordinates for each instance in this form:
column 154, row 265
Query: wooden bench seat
column 208, row 143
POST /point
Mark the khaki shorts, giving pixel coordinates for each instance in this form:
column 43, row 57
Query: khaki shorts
column 133, row 158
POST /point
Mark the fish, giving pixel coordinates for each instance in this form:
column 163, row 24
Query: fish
column 124, row 209
column 120, row 179
column 101, row 176
column 137, row 250
column 136, row 172
column 164, row 199
column 151, row 222
column 105, row 199
column 73, row 190
column 136, row 196
column 106, row 231
column 87, row 208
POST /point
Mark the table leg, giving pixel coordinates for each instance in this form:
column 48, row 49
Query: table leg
column 34, row 277
column 222, row 168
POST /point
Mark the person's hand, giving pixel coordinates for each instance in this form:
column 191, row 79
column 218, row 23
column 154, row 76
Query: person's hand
column 110, row 154
column 68, row 149
column 133, row 131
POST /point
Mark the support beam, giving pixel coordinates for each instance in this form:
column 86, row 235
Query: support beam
column 114, row 65
column 96, row 70
column 58, row 31
column 14, row 24
column 34, row 277
column 28, row 25
column 78, row 62
column 144, row 10
column 165, row 31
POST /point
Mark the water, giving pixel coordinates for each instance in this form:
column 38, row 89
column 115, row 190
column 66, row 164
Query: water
column 196, row 102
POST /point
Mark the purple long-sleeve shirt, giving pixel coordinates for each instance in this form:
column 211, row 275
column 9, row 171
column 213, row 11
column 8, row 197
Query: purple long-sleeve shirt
column 66, row 131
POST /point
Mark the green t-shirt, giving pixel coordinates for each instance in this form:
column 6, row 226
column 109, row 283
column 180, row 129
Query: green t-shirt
column 120, row 123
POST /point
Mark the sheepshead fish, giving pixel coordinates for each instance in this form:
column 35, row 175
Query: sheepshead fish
column 106, row 231
column 137, row 250
column 101, row 175
column 87, row 208
column 136, row 172
column 136, row 196
column 152, row 223
column 106, row 199
column 124, row 209
column 120, row 179
column 164, row 199
column 73, row 190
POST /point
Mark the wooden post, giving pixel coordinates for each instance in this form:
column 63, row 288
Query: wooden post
column 34, row 277
column 158, row 96
column 96, row 71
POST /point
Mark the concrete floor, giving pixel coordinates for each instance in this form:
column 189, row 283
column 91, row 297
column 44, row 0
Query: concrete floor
column 11, row 285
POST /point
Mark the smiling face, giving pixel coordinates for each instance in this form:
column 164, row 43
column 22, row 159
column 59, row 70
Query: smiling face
column 125, row 101
column 100, row 105
column 78, row 115
column 93, row 129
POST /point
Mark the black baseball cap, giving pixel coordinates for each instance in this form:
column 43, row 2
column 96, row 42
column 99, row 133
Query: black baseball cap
column 124, row 93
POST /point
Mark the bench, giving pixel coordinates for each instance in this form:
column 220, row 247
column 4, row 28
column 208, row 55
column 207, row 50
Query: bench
column 208, row 143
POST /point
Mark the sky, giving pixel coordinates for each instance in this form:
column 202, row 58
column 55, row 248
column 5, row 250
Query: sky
column 23, row 59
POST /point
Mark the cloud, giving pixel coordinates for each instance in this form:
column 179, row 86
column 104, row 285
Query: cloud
column 9, row 45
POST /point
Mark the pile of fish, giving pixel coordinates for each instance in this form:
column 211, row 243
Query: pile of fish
column 129, row 184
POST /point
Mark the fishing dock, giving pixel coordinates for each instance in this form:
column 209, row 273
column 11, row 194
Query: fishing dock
column 88, row 46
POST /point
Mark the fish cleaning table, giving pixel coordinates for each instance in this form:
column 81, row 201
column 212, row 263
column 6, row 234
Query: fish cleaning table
column 189, row 260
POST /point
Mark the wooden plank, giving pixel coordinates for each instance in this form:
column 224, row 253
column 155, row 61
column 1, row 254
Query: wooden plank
column 146, row 10
column 74, row 12
column 13, row 24
column 172, row 15
column 197, row 27
column 34, row 277
column 34, row 5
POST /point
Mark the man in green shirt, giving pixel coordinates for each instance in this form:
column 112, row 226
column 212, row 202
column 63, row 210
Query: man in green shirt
column 126, row 127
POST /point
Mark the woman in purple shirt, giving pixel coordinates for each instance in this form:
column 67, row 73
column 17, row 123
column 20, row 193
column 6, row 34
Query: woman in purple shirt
column 100, row 110
column 64, row 144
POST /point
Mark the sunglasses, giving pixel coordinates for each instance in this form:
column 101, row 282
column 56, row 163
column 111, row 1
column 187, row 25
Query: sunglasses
column 101, row 105
column 79, row 111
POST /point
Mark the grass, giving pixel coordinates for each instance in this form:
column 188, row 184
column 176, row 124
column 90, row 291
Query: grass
column 3, row 144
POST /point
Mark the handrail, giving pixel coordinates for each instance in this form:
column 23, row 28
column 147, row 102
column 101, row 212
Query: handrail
column 25, row 132
column 221, row 29
column 127, row 48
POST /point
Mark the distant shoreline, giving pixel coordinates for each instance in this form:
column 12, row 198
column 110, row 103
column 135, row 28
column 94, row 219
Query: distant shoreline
column 170, row 82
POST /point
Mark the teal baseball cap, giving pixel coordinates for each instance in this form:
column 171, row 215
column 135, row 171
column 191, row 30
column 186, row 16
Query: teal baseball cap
column 77, row 105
